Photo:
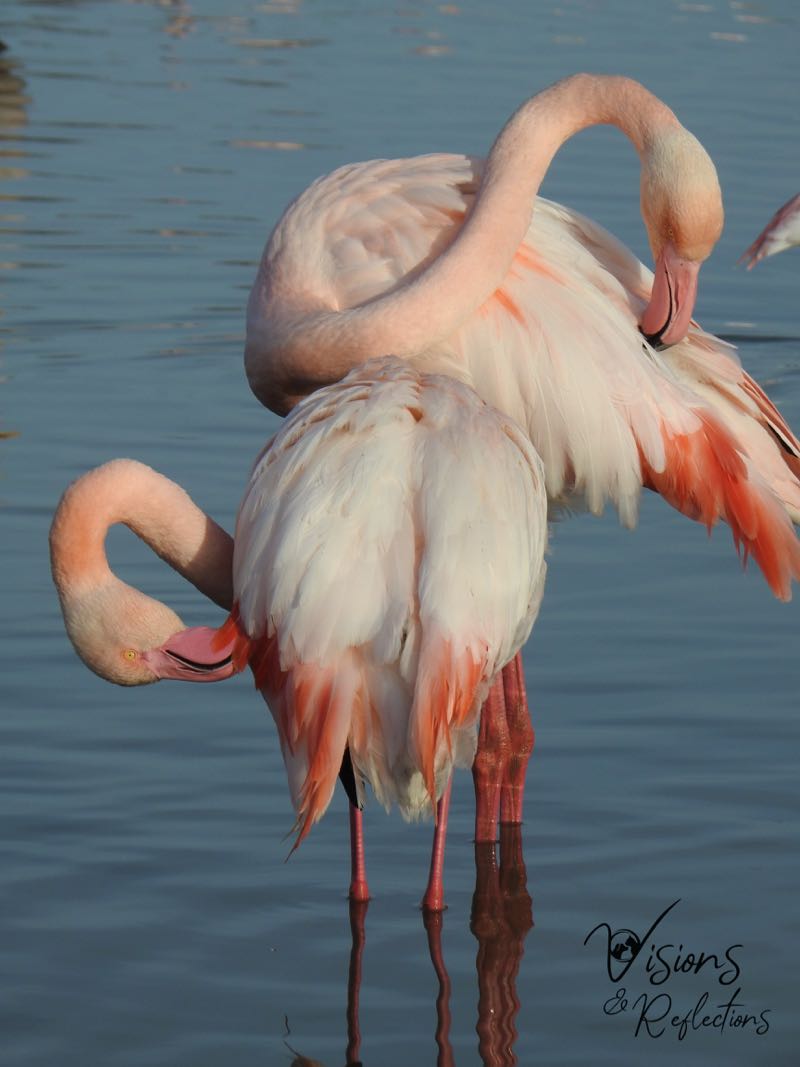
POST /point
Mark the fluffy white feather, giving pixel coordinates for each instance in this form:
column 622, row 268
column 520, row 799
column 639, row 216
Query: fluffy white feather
column 391, row 541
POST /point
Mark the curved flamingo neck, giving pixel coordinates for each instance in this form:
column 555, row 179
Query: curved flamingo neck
column 514, row 171
column 157, row 510
column 301, row 345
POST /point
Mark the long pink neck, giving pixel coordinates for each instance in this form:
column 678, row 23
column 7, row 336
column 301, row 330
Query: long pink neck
column 515, row 168
column 157, row 510
column 464, row 276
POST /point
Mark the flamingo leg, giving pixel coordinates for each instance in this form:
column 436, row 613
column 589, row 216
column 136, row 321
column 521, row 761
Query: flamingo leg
column 491, row 761
column 434, row 894
column 521, row 741
column 359, row 890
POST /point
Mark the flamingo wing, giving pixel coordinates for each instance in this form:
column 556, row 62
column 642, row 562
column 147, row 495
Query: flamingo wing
column 613, row 414
column 358, row 231
column 557, row 348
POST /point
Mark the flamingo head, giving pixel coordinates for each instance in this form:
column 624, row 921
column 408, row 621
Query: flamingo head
column 129, row 638
column 111, row 624
column 682, row 209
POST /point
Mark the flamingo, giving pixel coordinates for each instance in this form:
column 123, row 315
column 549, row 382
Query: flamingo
column 455, row 265
column 388, row 562
column 781, row 232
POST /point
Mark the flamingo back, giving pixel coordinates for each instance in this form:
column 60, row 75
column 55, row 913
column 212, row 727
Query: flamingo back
column 389, row 561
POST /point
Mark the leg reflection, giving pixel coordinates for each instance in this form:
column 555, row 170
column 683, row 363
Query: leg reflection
column 433, row 921
column 358, row 914
column 500, row 920
column 502, row 915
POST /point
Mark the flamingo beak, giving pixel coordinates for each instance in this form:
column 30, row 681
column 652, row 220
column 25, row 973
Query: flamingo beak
column 667, row 317
column 193, row 655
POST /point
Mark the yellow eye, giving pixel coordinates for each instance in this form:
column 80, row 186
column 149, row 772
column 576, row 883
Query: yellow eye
column 129, row 653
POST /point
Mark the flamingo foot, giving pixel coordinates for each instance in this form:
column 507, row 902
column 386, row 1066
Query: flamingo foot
column 359, row 890
column 434, row 894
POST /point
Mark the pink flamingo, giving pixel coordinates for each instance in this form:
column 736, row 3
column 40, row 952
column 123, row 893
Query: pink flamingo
column 455, row 265
column 781, row 232
column 388, row 563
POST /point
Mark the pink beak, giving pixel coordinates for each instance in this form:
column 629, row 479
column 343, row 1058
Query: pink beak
column 667, row 317
column 193, row 655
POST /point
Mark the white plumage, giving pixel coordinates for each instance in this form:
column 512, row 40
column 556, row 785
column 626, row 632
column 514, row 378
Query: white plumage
column 557, row 347
column 389, row 561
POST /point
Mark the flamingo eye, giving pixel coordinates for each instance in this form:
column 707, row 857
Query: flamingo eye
column 129, row 653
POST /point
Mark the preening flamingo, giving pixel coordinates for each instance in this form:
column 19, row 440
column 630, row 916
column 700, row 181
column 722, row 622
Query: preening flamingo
column 781, row 232
column 388, row 563
column 109, row 622
column 455, row 265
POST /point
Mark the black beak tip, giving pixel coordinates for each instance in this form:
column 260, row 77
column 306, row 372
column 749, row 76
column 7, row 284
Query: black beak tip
column 654, row 340
column 195, row 667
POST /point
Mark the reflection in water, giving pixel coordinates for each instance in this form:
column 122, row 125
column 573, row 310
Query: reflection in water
column 302, row 1061
column 434, row 921
column 502, row 915
column 13, row 98
column 180, row 19
column 13, row 116
column 358, row 914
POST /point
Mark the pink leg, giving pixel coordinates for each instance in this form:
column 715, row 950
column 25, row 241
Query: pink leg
column 521, row 739
column 491, row 759
column 358, row 871
column 434, row 894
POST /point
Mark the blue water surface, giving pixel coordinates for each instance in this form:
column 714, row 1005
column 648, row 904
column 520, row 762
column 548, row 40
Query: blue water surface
column 148, row 916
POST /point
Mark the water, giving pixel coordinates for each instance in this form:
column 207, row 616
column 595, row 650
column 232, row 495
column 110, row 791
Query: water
column 148, row 916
